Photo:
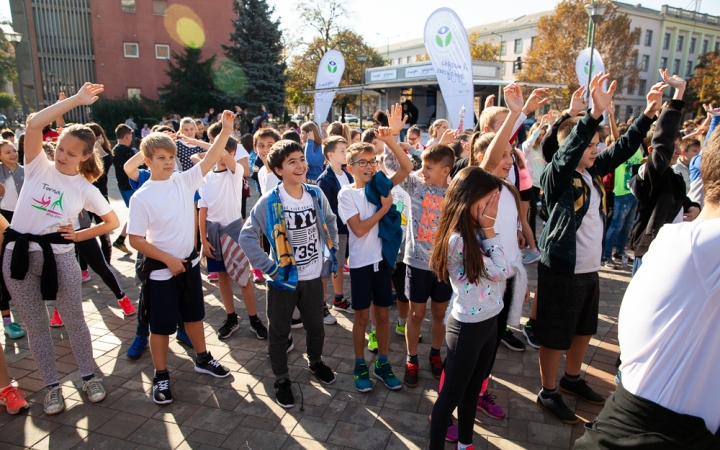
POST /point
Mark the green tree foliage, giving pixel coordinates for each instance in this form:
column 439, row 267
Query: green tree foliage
column 256, row 46
column 191, row 90
column 8, row 71
column 110, row 113
column 6, row 100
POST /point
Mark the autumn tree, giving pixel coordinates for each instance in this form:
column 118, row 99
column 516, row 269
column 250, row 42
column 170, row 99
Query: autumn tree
column 704, row 83
column 479, row 51
column 563, row 35
column 8, row 71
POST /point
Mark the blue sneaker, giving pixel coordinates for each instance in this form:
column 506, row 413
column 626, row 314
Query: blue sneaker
column 183, row 338
column 362, row 378
column 384, row 373
column 137, row 347
column 13, row 331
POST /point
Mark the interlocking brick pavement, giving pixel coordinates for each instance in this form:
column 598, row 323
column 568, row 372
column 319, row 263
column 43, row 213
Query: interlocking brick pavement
column 239, row 412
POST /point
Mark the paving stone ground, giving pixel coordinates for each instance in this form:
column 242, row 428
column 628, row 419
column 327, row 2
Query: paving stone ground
column 239, row 412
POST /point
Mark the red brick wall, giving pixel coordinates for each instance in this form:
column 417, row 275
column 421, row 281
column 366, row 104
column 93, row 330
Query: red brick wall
column 112, row 27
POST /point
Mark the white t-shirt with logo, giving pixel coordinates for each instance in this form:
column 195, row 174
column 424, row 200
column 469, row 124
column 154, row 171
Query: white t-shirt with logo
column 50, row 199
column 222, row 195
column 163, row 212
column 365, row 250
column 588, row 246
column 267, row 179
column 301, row 222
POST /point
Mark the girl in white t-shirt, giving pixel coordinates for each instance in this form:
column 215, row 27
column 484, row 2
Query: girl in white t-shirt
column 53, row 195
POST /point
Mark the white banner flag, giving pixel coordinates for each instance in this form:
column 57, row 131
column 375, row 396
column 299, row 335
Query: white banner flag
column 582, row 66
column 332, row 66
column 447, row 44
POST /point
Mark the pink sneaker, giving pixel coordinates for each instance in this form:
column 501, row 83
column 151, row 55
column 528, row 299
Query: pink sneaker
column 213, row 276
column 257, row 276
column 346, row 269
column 85, row 275
column 486, row 403
column 126, row 305
column 452, row 431
column 470, row 447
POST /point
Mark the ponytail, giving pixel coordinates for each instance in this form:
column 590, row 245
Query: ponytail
column 91, row 167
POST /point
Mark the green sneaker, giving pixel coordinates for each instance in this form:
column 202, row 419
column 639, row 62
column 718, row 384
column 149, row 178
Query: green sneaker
column 362, row 379
column 13, row 331
column 400, row 330
column 372, row 342
column 384, row 373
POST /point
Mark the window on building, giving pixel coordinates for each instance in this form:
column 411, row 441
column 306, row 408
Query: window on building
column 635, row 61
column 645, row 63
column 399, row 61
column 503, row 68
column 648, row 38
column 619, row 86
column 162, row 95
column 663, row 62
column 408, row 59
column 503, row 48
column 689, row 69
column 676, row 67
column 680, row 44
column 706, row 44
column 159, row 7
column 666, row 41
column 162, row 51
column 637, row 42
column 642, row 86
column 629, row 112
column 693, row 43
column 518, row 45
column 131, row 49
column 532, row 41
column 631, row 89
column 717, row 46
column 128, row 5
column 134, row 93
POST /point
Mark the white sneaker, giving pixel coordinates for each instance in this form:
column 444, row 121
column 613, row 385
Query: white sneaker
column 95, row 390
column 54, row 402
column 328, row 319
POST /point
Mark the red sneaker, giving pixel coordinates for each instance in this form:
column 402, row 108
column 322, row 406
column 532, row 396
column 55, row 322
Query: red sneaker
column 56, row 321
column 346, row 269
column 258, row 276
column 126, row 305
column 213, row 276
column 12, row 398
column 85, row 275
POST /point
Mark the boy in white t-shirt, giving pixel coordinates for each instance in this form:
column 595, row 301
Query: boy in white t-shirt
column 370, row 273
column 161, row 227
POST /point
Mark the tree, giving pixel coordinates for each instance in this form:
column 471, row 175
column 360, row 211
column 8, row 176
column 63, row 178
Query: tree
column 8, row 71
column 191, row 89
column 257, row 48
column 6, row 100
column 479, row 51
column 562, row 36
column 324, row 17
column 705, row 81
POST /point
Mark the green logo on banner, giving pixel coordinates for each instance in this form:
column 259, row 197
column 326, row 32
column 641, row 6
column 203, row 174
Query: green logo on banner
column 443, row 41
column 332, row 67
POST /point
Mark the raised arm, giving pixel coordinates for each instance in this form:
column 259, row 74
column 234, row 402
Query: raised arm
column 132, row 165
column 87, row 95
column 494, row 153
column 218, row 146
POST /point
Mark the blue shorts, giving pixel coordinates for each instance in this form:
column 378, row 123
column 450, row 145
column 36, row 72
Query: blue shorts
column 370, row 286
column 166, row 299
column 126, row 196
column 213, row 265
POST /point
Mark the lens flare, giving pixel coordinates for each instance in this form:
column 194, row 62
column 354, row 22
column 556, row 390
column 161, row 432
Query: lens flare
column 184, row 26
column 230, row 79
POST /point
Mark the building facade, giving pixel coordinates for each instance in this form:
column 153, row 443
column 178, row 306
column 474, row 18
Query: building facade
column 123, row 44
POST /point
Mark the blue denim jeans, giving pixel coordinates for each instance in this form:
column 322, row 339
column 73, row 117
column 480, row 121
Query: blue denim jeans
column 621, row 224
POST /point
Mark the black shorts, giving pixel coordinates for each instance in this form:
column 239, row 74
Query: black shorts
column 398, row 280
column 423, row 284
column 167, row 298
column 567, row 306
column 526, row 195
column 370, row 286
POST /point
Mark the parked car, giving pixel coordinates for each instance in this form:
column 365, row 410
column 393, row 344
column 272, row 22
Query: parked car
column 297, row 118
column 350, row 118
column 3, row 121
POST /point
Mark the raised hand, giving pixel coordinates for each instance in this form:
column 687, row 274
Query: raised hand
column 513, row 97
column 228, row 119
column 396, row 121
column 88, row 93
column 486, row 215
column 611, row 109
column 490, row 101
column 675, row 81
column 448, row 136
column 535, row 101
column 578, row 102
column 654, row 99
column 710, row 110
column 601, row 99
column 385, row 134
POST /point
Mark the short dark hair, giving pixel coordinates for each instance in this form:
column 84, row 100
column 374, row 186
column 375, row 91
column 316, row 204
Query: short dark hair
column 279, row 152
column 565, row 128
column 247, row 141
column 265, row 132
column 368, row 136
column 122, row 130
column 439, row 154
column 381, row 118
column 214, row 130
column 415, row 130
column 689, row 142
column 231, row 145
column 332, row 142
column 7, row 133
column 292, row 135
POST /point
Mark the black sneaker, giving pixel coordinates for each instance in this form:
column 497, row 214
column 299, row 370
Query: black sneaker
column 511, row 342
column 529, row 333
column 296, row 323
column 209, row 366
column 161, row 391
column 411, row 374
column 259, row 329
column 610, row 264
column 618, row 257
column 555, row 406
column 323, row 373
column 228, row 327
column 283, row 394
column 581, row 389
column 290, row 345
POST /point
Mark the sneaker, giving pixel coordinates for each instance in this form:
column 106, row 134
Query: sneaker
column 296, row 323
column 126, row 305
column 411, row 374
column 384, row 373
column 161, row 391
column 13, row 399
column 257, row 276
column 452, row 432
column 95, row 390
column 13, row 331
column 54, row 401
column 137, row 347
column 469, row 447
column 372, row 342
column 346, row 269
column 283, row 394
column 531, row 257
column 260, row 331
column 290, row 345
column 86, row 276
column 328, row 319
column 610, row 264
column 322, row 372
column 122, row 247
column 344, row 306
column 228, row 328
column 618, row 377
column 486, row 403
column 213, row 276
column 555, row 406
column 581, row 389
column 511, row 342
column 436, row 366
column 400, row 329
column 182, row 338
column 529, row 333
column 210, row 366
column 618, row 257
column 362, row 378
column 56, row 321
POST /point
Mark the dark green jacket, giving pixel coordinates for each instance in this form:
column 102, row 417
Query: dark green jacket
column 566, row 194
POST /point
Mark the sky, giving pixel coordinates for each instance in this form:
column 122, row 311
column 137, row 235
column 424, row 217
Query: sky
column 381, row 20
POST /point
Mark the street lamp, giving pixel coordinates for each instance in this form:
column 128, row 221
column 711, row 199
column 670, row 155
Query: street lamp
column 596, row 11
column 387, row 55
column 14, row 38
column 362, row 59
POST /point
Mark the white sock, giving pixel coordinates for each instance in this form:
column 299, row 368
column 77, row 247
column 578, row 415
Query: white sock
column 372, row 327
column 402, row 321
column 463, row 446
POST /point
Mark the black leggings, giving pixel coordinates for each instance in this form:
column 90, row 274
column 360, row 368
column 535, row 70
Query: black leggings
column 502, row 320
column 105, row 245
column 532, row 211
column 89, row 251
column 470, row 347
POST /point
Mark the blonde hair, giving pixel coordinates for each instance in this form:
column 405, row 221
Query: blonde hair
column 489, row 114
column 434, row 127
column 157, row 141
column 358, row 149
column 91, row 168
column 188, row 120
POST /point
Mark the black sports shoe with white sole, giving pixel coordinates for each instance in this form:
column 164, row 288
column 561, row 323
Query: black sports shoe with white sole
column 228, row 327
column 210, row 366
column 323, row 373
column 259, row 329
column 283, row 393
column 511, row 342
column 555, row 406
column 161, row 391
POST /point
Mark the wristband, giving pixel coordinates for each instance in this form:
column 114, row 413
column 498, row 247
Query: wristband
column 488, row 228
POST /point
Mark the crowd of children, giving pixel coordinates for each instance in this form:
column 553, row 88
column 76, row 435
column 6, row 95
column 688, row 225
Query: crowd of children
column 453, row 223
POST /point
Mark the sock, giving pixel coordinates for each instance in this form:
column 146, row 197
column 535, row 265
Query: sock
column 54, row 385
column 412, row 359
column 434, row 352
column 530, row 323
column 7, row 320
column 163, row 374
column 88, row 377
column 402, row 321
column 483, row 389
column 534, row 251
column 200, row 356
column 120, row 239
column 339, row 298
column 382, row 359
column 572, row 379
column 359, row 361
column 232, row 317
column 463, row 446
column 372, row 327
column 547, row 393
